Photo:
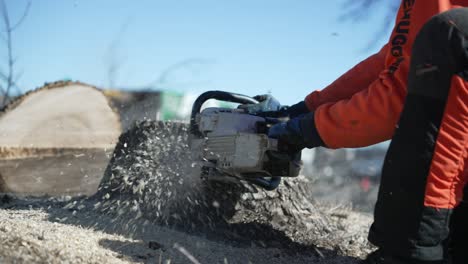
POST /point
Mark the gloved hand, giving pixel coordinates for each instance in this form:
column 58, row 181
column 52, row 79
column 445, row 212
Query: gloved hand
column 284, row 111
column 266, row 103
column 296, row 134
column 295, row 110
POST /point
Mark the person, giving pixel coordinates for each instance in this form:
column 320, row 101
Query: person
column 414, row 91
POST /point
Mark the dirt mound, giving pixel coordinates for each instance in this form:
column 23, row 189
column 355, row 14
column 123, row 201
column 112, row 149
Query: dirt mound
column 152, row 176
column 56, row 140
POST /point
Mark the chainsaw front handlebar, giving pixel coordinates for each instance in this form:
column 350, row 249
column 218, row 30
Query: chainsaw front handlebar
column 217, row 95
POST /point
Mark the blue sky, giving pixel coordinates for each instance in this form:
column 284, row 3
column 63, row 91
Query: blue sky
column 286, row 47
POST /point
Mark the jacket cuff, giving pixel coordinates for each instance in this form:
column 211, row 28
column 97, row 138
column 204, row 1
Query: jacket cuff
column 309, row 131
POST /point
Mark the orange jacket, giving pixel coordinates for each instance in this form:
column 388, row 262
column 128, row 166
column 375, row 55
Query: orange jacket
column 363, row 106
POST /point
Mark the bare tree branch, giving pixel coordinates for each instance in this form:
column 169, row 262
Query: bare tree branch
column 2, row 90
column 3, row 38
column 358, row 11
column 8, row 77
column 17, row 89
column 113, row 63
column 17, row 77
column 165, row 74
column 14, row 84
column 6, row 19
column 4, row 77
column 21, row 20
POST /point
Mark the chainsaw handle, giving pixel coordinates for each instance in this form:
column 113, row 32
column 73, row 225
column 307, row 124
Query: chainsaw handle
column 217, row 95
column 268, row 185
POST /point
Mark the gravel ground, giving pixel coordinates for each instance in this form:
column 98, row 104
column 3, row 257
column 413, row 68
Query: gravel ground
column 49, row 231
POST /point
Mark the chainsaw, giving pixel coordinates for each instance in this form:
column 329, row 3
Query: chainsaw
column 232, row 143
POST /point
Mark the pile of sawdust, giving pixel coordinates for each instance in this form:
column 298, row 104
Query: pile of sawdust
column 152, row 176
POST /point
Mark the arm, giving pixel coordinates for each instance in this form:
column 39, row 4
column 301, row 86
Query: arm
column 353, row 81
column 367, row 118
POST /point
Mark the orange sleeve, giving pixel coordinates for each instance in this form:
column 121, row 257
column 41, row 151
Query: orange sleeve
column 353, row 81
column 363, row 106
column 367, row 118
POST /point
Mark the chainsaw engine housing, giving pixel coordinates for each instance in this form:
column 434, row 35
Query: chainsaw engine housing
column 234, row 143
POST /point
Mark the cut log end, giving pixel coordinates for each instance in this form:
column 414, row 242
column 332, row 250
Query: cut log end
column 56, row 140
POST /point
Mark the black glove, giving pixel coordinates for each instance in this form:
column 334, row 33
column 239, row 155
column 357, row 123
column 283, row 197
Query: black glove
column 296, row 134
column 295, row 110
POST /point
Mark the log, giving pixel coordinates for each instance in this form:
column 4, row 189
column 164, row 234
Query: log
column 56, row 140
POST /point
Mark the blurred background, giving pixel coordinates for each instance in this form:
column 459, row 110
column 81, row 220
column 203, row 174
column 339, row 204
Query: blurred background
column 159, row 55
column 286, row 48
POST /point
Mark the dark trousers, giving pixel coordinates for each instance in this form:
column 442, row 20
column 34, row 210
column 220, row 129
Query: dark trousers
column 419, row 214
column 458, row 242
